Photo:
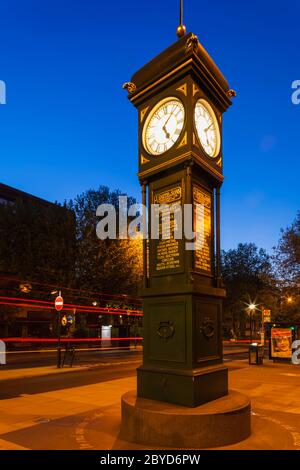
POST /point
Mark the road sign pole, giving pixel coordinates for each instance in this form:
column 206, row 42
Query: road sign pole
column 58, row 307
column 59, row 342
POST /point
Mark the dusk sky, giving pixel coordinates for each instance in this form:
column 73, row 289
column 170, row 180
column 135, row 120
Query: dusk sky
column 68, row 126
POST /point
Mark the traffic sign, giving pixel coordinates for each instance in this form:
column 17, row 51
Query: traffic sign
column 59, row 303
column 266, row 316
column 64, row 320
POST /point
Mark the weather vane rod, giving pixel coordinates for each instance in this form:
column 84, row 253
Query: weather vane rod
column 181, row 30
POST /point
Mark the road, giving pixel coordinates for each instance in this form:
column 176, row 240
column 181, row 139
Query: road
column 24, row 359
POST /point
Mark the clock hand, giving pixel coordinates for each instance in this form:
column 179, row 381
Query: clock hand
column 205, row 130
column 166, row 131
column 165, row 125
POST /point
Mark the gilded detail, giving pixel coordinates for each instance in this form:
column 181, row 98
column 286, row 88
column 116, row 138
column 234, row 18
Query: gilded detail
column 195, row 89
column 144, row 160
column 183, row 89
column 168, row 197
column 183, row 141
column 192, row 44
column 231, row 93
column 201, row 197
column 130, row 87
column 143, row 112
column 195, row 141
column 202, row 225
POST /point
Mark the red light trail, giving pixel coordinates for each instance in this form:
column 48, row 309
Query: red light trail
column 42, row 304
column 67, row 340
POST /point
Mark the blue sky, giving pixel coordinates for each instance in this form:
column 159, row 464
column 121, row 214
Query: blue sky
column 67, row 125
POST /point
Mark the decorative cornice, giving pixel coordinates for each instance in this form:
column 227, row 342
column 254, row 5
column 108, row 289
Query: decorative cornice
column 164, row 164
column 172, row 72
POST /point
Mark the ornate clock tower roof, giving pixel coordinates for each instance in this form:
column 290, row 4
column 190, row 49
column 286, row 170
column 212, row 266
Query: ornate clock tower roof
column 186, row 55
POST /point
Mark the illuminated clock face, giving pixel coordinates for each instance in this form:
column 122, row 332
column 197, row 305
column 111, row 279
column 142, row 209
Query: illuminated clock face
column 207, row 128
column 163, row 126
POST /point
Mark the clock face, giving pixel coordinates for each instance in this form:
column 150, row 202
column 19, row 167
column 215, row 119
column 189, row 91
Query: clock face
column 163, row 126
column 207, row 128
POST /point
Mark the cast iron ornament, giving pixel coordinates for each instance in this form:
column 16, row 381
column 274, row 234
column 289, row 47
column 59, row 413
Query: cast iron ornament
column 208, row 328
column 166, row 330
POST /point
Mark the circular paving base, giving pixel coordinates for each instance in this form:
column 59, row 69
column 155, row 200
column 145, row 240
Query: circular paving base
column 218, row 423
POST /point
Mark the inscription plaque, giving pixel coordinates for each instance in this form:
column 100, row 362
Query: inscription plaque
column 202, row 226
column 167, row 251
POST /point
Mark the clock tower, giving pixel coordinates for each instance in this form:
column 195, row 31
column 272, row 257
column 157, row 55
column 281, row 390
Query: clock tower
column 181, row 97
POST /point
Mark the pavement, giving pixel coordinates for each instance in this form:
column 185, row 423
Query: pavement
column 65, row 410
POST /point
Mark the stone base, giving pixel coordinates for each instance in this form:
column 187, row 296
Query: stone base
column 219, row 423
column 183, row 387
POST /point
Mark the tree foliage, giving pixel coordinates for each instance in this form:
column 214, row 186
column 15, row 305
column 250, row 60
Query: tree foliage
column 104, row 265
column 287, row 254
column 247, row 274
column 287, row 265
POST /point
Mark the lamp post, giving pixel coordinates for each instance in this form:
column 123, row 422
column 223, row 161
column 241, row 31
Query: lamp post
column 251, row 309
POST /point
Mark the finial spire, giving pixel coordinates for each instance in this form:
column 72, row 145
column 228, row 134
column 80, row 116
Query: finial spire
column 181, row 30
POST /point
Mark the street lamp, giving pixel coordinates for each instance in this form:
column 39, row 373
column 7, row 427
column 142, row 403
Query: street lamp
column 251, row 309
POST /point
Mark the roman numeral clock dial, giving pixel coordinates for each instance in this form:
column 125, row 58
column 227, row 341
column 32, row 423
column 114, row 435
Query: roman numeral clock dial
column 163, row 126
column 207, row 128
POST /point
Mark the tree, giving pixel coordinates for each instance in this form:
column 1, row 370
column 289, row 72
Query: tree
column 287, row 254
column 248, row 278
column 113, row 266
column 287, row 264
